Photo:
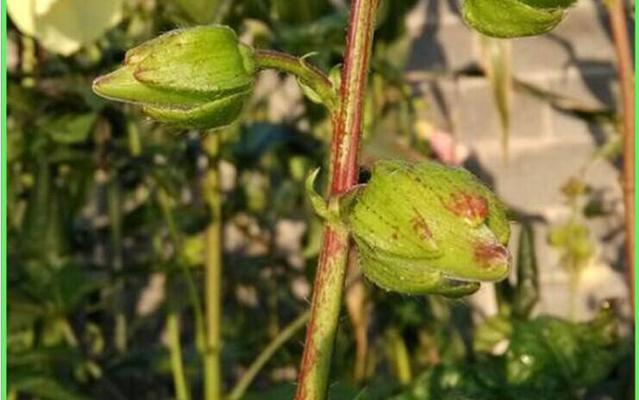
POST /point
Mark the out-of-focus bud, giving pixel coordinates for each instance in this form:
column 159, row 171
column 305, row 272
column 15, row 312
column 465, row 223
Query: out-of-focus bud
column 514, row 18
column 427, row 228
column 196, row 77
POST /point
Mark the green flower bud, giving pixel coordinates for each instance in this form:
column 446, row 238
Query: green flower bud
column 514, row 18
column 197, row 77
column 427, row 228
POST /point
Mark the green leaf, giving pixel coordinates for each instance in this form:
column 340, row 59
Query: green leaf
column 73, row 283
column 71, row 129
column 550, row 352
column 490, row 333
column 546, row 358
column 527, row 290
column 298, row 12
column 44, row 388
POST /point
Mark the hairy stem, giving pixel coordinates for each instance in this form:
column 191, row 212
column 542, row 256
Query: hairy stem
column 347, row 129
column 325, row 308
column 287, row 333
column 307, row 74
column 175, row 351
column 617, row 14
column 213, row 273
column 347, row 124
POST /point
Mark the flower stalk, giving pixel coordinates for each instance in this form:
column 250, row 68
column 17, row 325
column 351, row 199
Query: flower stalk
column 306, row 73
column 175, row 351
column 213, row 273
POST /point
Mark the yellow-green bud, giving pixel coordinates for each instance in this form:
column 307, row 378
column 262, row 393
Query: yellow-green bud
column 197, row 77
column 426, row 228
column 514, row 18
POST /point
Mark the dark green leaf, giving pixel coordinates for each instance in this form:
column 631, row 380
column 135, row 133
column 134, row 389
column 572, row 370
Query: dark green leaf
column 71, row 129
column 44, row 388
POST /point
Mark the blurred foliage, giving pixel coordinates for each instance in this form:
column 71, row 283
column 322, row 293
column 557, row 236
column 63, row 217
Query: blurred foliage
column 64, row 26
column 106, row 218
column 546, row 358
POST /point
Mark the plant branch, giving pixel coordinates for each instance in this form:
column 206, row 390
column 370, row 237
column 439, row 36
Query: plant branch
column 288, row 332
column 617, row 14
column 164, row 200
column 175, row 351
column 307, row 74
column 347, row 129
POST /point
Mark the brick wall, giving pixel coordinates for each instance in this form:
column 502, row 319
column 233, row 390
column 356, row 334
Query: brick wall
column 546, row 146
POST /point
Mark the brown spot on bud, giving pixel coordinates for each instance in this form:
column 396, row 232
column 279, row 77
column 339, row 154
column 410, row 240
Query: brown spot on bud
column 420, row 227
column 471, row 207
column 488, row 255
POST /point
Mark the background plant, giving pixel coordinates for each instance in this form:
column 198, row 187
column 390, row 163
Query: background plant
column 107, row 211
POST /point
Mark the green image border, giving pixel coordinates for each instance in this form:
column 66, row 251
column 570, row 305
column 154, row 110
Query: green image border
column 3, row 227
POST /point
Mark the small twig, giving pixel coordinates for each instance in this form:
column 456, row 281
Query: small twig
column 247, row 378
column 192, row 292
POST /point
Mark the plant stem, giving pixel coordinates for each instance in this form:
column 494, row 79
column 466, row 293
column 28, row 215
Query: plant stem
column 347, row 130
column 617, row 14
column 347, row 125
column 325, row 308
column 133, row 136
column 213, row 273
column 115, row 220
column 164, row 200
column 175, row 350
column 288, row 332
column 398, row 356
column 356, row 302
column 28, row 60
column 309, row 75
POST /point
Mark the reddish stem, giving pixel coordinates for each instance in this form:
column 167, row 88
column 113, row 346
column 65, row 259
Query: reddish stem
column 347, row 123
column 617, row 14
column 347, row 130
